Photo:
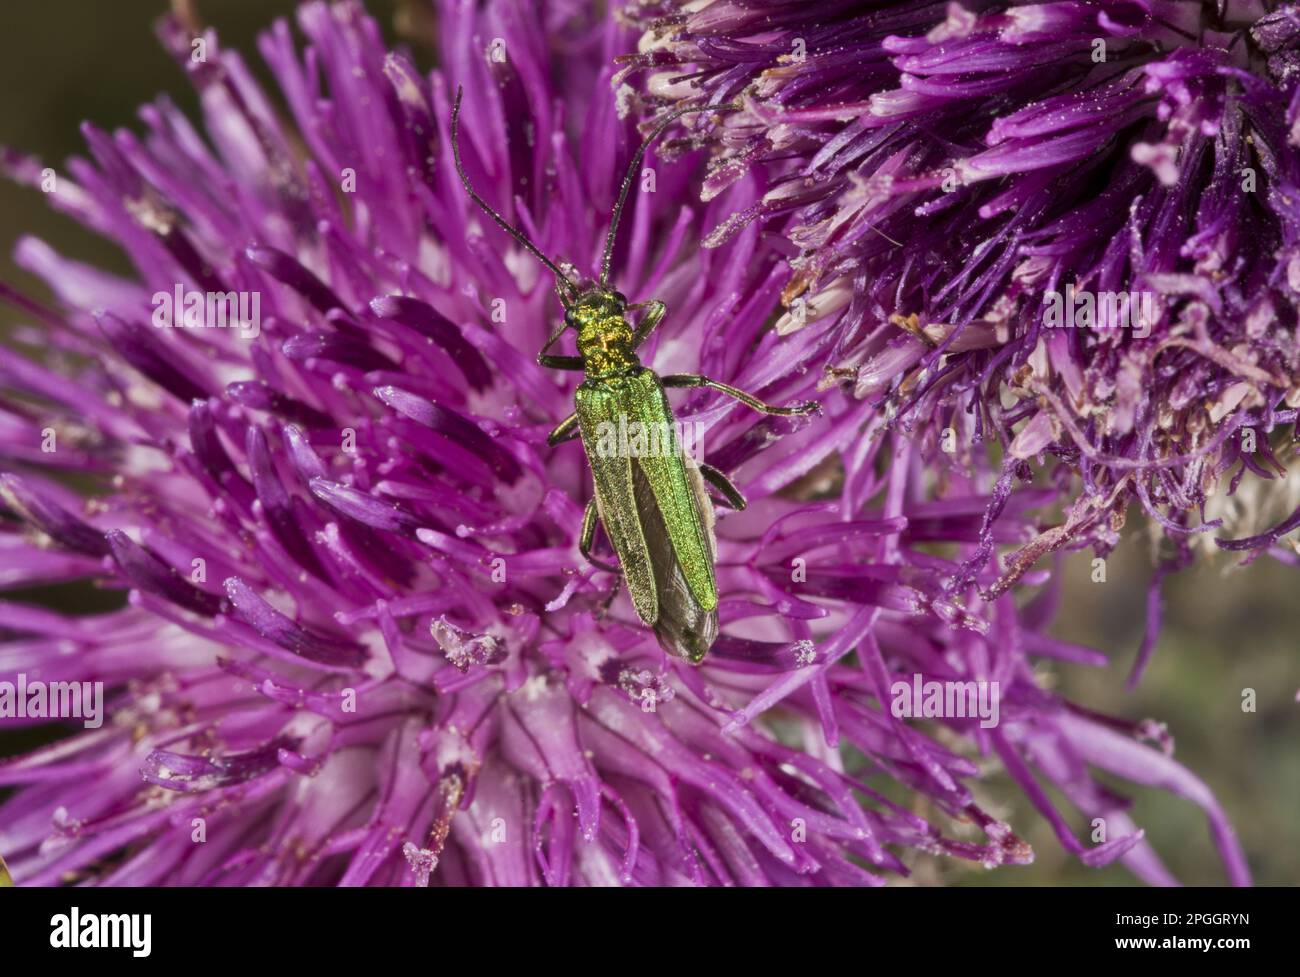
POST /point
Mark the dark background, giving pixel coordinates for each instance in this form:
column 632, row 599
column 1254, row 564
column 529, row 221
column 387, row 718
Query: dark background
column 64, row 61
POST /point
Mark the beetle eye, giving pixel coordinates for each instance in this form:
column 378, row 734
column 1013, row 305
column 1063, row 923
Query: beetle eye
column 570, row 320
column 622, row 299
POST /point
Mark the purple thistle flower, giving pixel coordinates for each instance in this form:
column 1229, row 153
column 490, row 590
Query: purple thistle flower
column 948, row 177
column 359, row 645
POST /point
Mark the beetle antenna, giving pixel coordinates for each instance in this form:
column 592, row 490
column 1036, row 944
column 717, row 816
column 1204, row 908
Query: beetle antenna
column 504, row 224
column 664, row 123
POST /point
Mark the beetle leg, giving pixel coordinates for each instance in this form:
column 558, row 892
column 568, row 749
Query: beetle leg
column 655, row 312
column 602, row 610
column 695, row 380
column 723, row 484
column 589, row 519
column 552, row 362
column 566, row 430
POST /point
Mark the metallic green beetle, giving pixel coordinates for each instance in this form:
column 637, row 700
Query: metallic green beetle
column 654, row 506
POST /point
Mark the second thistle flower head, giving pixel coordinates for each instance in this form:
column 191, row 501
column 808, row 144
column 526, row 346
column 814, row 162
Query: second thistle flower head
column 1070, row 230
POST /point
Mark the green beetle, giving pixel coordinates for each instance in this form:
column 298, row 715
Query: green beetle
column 653, row 504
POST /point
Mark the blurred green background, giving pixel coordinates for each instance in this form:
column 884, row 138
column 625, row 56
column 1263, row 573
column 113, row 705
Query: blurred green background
column 65, row 61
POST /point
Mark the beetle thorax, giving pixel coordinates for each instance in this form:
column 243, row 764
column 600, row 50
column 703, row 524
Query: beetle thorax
column 604, row 335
